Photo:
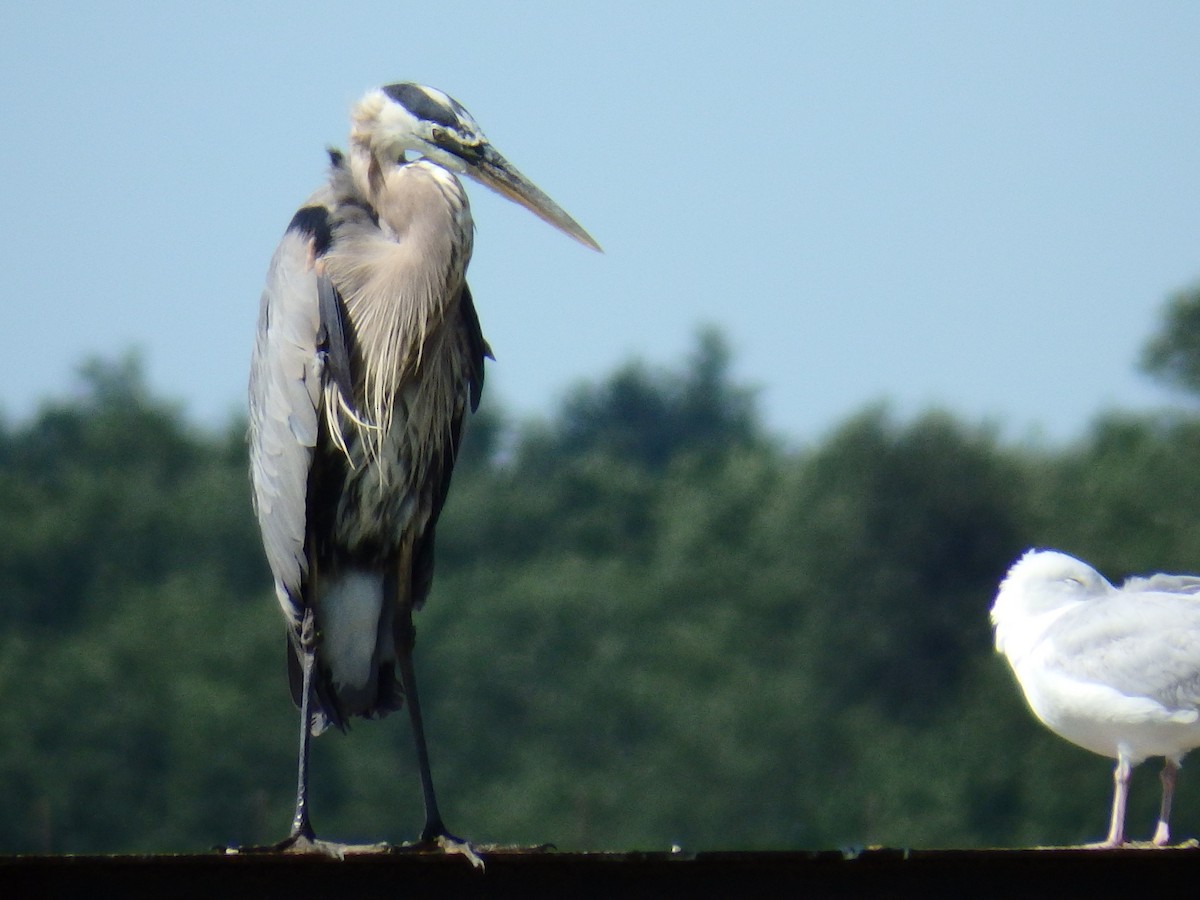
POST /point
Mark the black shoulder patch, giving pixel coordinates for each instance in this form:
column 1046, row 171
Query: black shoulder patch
column 314, row 221
column 332, row 337
column 477, row 346
column 414, row 98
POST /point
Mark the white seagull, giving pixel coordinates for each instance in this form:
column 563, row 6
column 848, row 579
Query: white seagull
column 1114, row 670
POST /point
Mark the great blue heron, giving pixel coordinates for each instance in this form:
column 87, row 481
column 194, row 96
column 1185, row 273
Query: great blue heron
column 368, row 354
column 1114, row 670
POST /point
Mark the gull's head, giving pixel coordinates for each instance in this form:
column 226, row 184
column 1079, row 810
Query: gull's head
column 1039, row 585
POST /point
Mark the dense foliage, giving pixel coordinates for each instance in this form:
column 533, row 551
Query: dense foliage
column 652, row 624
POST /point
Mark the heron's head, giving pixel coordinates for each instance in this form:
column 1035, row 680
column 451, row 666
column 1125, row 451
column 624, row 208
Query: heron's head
column 399, row 122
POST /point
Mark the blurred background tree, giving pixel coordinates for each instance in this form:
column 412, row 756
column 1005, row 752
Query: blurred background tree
column 653, row 623
column 1172, row 355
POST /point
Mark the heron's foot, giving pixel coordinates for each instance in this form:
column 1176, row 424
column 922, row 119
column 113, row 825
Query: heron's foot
column 307, row 843
column 451, row 844
column 436, row 835
column 310, row 844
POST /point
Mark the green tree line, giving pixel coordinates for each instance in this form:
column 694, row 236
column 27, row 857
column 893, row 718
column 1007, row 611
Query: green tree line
column 653, row 623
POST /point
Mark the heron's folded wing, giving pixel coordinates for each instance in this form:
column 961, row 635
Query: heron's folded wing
column 285, row 389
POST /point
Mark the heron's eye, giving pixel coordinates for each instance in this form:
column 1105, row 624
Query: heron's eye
column 438, row 134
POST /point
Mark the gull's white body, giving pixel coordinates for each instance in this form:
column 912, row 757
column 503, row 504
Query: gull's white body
column 1114, row 670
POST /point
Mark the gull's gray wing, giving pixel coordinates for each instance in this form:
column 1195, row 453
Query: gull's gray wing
column 1167, row 584
column 1140, row 643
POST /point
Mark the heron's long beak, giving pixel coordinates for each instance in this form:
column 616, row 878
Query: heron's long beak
column 502, row 177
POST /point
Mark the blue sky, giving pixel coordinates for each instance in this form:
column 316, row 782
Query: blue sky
column 978, row 207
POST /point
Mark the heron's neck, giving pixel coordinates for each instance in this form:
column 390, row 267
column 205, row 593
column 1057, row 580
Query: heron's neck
column 365, row 170
column 365, row 166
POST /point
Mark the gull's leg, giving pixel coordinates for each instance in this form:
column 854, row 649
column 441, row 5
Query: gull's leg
column 1162, row 834
column 434, row 830
column 1116, row 827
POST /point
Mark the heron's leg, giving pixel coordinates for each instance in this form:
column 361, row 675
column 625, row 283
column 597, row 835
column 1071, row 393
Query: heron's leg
column 1162, row 834
column 407, row 638
column 302, row 831
column 1116, row 827
column 435, row 829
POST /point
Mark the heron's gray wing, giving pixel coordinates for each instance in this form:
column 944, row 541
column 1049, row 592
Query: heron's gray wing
column 286, row 373
column 1143, row 644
